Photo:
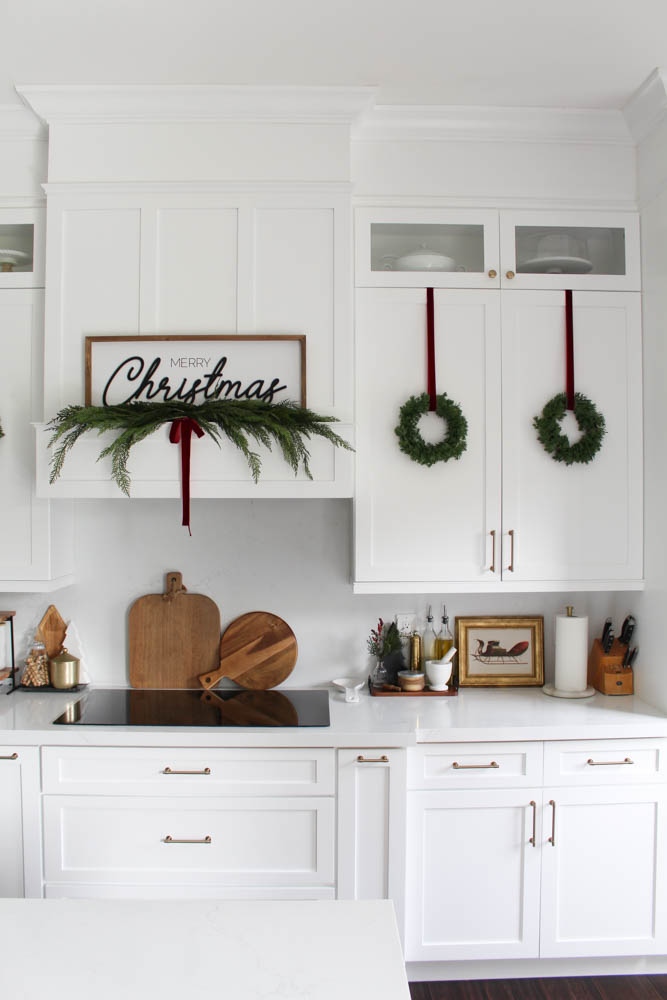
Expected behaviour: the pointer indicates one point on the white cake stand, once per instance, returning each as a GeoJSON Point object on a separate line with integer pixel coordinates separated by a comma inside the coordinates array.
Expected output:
{"type": "Point", "coordinates": [553, 692]}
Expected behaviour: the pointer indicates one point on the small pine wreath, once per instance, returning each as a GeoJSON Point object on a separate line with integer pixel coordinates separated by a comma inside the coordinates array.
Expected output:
{"type": "Point", "coordinates": [413, 444]}
{"type": "Point", "coordinates": [590, 421]}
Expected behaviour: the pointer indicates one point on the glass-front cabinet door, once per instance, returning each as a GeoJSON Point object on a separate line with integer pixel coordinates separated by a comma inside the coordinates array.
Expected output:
{"type": "Point", "coordinates": [579, 250]}
{"type": "Point", "coordinates": [419, 247]}
{"type": "Point", "coordinates": [21, 248]}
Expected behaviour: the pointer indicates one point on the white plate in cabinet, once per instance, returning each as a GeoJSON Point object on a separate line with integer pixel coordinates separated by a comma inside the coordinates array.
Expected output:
{"type": "Point", "coordinates": [473, 882]}
{"type": "Point", "coordinates": [169, 771]}
{"type": "Point", "coordinates": [604, 890]}
{"type": "Point", "coordinates": [233, 841]}
{"type": "Point", "coordinates": [475, 765]}
{"type": "Point", "coordinates": [605, 762]}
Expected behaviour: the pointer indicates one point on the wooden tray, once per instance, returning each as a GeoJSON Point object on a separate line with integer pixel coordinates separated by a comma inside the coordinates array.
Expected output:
{"type": "Point", "coordinates": [426, 693]}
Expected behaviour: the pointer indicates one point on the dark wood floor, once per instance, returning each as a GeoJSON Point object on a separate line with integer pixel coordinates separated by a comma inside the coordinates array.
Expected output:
{"type": "Point", "coordinates": [579, 988]}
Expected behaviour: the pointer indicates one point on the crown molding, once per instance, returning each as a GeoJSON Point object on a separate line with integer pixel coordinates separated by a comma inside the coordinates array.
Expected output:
{"type": "Point", "coordinates": [439, 123]}
{"type": "Point", "coordinates": [648, 106]}
{"type": "Point", "coordinates": [18, 123]}
{"type": "Point", "coordinates": [234, 187]}
{"type": "Point", "coordinates": [214, 103]}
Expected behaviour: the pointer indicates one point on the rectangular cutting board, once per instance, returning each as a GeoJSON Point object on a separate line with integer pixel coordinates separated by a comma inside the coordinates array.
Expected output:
{"type": "Point", "coordinates": [173, 637]}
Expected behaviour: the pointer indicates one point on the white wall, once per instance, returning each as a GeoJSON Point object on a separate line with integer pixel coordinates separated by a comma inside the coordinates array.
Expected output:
{"type": "Point", "coordinates": [289, 557]}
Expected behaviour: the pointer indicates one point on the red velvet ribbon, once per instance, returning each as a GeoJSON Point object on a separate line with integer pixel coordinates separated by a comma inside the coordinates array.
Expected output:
{"type": "Point", "coordinates": [181, 431]}
{"type": "Point", "coordinates": [430, 350]}
{"type": "Point", "coordinates": [569, 350]}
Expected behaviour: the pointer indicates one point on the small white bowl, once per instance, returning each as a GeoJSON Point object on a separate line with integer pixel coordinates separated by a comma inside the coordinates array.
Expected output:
{"type": "Point", "coordinates": [351, 686]}
{"type": "Point", "coordinates": [437, 674]}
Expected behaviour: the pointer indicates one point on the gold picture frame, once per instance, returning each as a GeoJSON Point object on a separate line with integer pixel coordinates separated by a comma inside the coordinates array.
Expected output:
{"type": "Point", "coordinates": [500, 651]}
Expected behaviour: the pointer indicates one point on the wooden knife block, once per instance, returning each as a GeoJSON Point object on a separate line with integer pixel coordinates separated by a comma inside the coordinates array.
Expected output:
{"type": "Point", "coordinates": [606, 672]}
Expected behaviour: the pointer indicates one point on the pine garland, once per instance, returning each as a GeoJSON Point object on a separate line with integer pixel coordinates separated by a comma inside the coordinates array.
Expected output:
{"type": "Point", "coordinates": [2, 433]}
{"type": "Point", "coordinates": [413, 444]}
{"type": "Point", "coordinates": [589, 420]}
{"type": "Point", "coordinates": [286, 424]}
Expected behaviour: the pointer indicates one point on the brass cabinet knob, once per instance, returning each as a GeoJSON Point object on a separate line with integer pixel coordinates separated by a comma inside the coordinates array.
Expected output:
{"type": "Point", "coordinates": [510, 274]}
{"type": "Point", "coordinates": [493, 273]}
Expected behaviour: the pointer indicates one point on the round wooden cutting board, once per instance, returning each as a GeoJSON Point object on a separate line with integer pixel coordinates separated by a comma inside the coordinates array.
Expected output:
{"type": "Point", "coordinates": [257, 651]}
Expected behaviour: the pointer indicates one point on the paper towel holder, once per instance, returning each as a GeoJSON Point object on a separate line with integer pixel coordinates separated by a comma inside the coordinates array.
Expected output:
{"type": "Point", "coordinates": [553, 692]}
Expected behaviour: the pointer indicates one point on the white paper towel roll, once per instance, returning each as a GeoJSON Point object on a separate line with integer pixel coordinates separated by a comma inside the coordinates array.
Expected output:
{"type": "Point", "coordinates": [571, 653]}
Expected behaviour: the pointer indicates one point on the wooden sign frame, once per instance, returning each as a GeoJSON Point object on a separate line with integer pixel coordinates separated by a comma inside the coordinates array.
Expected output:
{"type": "Point", "coordinates": [300, 340]}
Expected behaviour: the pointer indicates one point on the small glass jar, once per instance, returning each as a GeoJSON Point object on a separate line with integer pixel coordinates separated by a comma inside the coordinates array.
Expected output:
{"type": "Point", "coordinates": [36, 673]}
{"type": "Point", "coordinates": [379, 676]}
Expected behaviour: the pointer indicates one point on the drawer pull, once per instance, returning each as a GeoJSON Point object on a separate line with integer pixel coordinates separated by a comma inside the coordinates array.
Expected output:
{"type": "Point", "coordinates": [469, 767]}
{"type": "Point", "coordinates": [168, 770]}
{"type": "Point", "coordinates": [533, 840]}
{"type": "Point", "coordinates": [11, 756]}
{"type": "Point", "coordinates": [552, 838]}
{"type": "Point", "coordinates": [373, 760]}
{"type": "Point", "coordinates": [172, 840]}
{"type": "Point", "coordinates": [608, 763]}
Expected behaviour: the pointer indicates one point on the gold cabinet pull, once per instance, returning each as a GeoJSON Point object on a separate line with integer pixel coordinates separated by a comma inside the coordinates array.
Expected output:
{"type": "Point", "coordinates": [492, 568]}
{"type": "Point", "coordinates": [533, 840]}
{"type": "Point", "coordinates": [510, 568]}
{"type": "Point", "coordinates": [493, 273]}
{"type": "Point", "coordinates": [373, 760]}
{"type": "Point", "coordinates": [510, 274]}
{"type": "Point", "coordinates": [11, 756]}
{"type": "Point", "coordinates": [608, 763]}
{"type": "Point", "coordinates": [168, 770]}
{"type": "Point", "coordinates": [552, 838]}
{"type": "Point", "coordinates": [172, 840]}
{"type": "Point", "coordinates": [469, 767]}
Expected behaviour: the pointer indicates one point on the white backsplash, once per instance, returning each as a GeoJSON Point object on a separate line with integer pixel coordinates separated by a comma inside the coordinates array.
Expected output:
{"type": "Point", "coordinates": [290, 557]}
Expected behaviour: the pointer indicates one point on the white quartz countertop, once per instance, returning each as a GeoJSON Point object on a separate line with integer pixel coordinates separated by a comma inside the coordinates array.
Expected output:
{"type": "Point", "coordinates": [322, 950]}
{"type": "Point", "coordinates": [493, 714]}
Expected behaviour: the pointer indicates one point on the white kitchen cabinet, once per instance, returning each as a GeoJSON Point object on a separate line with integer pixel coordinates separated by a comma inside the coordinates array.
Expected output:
{"type": "Point", "coordinates": [579, 250]}
{"type": "Point", "coordinates": [473, 882]}
{"type": "Point", "coordinates": [604, 889]}
{"type": "Point", "coordinates": [193, 262]}
{"type": "Point", "coordinates": [417, 527]}
{"type": "Point", "coordinates": [36, 550]}
{"type": "Point", "coordinates": [421, 529]}
{"type": "Point", "coordinates": [20, 847]}
{"type": "Point", "coordinates": [577, 524]}
{"type": "Point", "coordinates": [371, 826]}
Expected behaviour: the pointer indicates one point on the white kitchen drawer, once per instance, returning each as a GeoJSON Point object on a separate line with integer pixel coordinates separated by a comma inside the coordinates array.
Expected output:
{"type": "Point", "coordinates": [604, 762]}
{"type": "Point", "coordinates": [475, 765]}
{"type": "Point", "coordinates": [261, 842]}
{"type": "Point", "coordinates": [93, 890]}
{"type": "Point", "coordinates": [150, 771]}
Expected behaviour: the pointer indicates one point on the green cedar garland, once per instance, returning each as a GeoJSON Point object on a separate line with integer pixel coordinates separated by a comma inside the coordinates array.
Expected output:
{"type": "Point", "coordinates": [589, 420]}
{"type": "Point", "coordinates": [413, 444]}
{"type": "Point", "coordinates": [286, 424]}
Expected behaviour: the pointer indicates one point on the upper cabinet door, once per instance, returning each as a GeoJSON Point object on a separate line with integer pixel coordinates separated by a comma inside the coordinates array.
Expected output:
{"type": "Point", "coordinates": [415, 247]}
{"type": "Point", "coordinates": [586, 250]}
{"type": "Point", "coordinates": [417, 526]}
{"type": "Point", "coordinates": [579, 523]}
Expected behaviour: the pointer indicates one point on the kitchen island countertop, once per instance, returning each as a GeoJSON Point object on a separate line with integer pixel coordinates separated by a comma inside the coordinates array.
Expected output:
{"type": "Point", "coordinates": [476, 714]}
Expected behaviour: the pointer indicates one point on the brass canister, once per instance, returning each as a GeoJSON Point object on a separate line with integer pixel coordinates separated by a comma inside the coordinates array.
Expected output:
{"type": "Point", "coordinates": [64, 670]}
{"type": "Point", "coordinates": [416, 654]}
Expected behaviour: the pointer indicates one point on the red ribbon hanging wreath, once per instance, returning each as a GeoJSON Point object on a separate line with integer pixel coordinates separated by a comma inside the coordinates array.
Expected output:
{"type": "Point", "coordinates": [181, 432]}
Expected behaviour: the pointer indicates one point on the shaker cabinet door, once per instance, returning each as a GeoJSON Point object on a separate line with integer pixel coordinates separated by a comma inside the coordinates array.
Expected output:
{"type": "Point", "coordinates": [580, 523]}
{"type": "Point", "coordinates": [473, 885]}
{"type": "Point", "coordinates": [421, 527]}
{"type": "Point", "coordinates": [604, 890]}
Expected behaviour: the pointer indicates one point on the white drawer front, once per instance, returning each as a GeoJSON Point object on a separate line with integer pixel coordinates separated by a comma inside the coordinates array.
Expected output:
{"type": "Point", "coordinates": [475, 765]}
{"type": "Point", "coordinates": [91, 890]}
{"type": "Point", "coordinates": [170, 771]}
{"type": "Point", "coordinates": [267, 841]}
{"type": "Point", "coordinates": [605, 762]}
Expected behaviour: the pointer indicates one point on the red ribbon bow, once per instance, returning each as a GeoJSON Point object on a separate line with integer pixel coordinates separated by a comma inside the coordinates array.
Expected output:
{"type": "Point", "coordinates": [181, 431]}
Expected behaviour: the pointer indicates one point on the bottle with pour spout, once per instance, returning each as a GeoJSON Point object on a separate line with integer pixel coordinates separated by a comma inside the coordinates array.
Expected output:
{"type": "Point", "coordinates": [444, 640]}
{"type": "Point", "coordinates": [429, 639]}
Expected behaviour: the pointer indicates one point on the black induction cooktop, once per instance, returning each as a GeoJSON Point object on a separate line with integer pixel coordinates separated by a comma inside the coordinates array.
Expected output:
{"type": "Point", "coordinates": [132, 707]}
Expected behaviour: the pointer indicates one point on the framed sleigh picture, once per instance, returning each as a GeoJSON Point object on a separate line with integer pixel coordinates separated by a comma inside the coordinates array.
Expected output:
{"type": "Point", "coordinates": [497, 651]}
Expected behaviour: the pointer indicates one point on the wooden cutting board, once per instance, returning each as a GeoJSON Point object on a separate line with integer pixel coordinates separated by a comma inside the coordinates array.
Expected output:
{"type": "Point", "coordinates": [257, 650]}
{"type": "Point", "coordinates": [52, 629]}
{"type": "Point", "coordinates": [173, 636]}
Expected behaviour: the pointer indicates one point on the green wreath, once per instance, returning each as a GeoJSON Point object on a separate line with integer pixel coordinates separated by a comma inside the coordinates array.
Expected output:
{"type": "Point", "coordinates": [589, 420]}
{"type": "Point", "coordinates": [412, 443]}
